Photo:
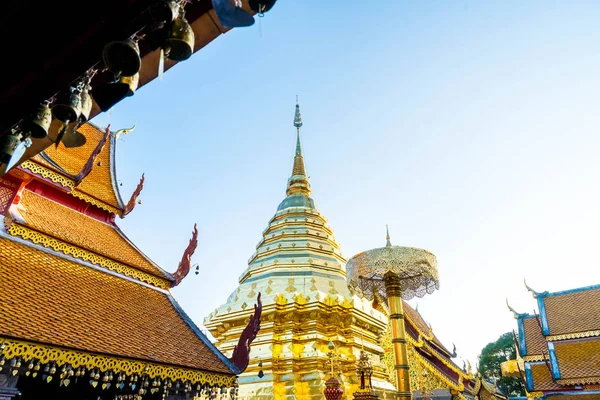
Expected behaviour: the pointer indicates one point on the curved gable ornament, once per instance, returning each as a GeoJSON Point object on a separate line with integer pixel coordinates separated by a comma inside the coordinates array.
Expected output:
{"type": "Point", "coordinates": [184, 265]}
{"type": "Point", "coordinates": [241, 353]}
{"type": "Point", "coordinates": [89, 165]}
{"type": "Point", "coordinates": [133, 200]}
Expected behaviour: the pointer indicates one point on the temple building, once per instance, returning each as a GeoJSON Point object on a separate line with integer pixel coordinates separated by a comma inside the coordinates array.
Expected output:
{"type": "Point", "coordinates": [558, 347]}
{"type": "Point", "coordinates": [83, 312]}
{"type": "Point", "coordinates": [300, 271]}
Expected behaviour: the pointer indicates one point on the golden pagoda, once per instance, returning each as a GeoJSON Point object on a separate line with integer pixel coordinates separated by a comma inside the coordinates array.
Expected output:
{"type": "Point", "coordinates": [83, 312]}
{"type": "Point", "coordinates": [300, 271]}
{"type": "Point", "coordinates": [308, 309]}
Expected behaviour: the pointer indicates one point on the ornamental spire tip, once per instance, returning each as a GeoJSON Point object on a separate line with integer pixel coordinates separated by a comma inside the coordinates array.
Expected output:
{"type": "Point", "coordinates": [298, 182]}
{"type": "Point", "coordinates": [297, 116]}
{"type": "Point", "coordinates": [388, 243]}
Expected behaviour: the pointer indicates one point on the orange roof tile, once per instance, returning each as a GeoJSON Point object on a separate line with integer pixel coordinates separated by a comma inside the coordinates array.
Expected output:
{"type": "Point", "coordinates": [535, 342]}
{"type": "Point", "coordinates": [542, 379]}
{"type": "Point", "coordinates": [577, 311]}
{"type": "Point", "coordinates": [578, 358]}
{"type": "Point", "coordinates": [99, 183]}
{"type": "Point", "coordinates": [71, 226]}
{"type": "Point", "coordinates": [51, 300]}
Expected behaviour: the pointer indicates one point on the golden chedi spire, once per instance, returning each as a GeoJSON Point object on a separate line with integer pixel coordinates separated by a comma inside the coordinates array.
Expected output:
{"type": "Point", "coordinates": [298, 182]}
{"type": "Point", "coordinates": [300, 269]}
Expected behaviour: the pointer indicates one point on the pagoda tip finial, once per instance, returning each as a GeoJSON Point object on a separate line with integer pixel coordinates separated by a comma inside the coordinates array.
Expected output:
{"type": "Point", "coordinates": [388, 243]}
{"type": "Point", "coordinates": [297, 116]}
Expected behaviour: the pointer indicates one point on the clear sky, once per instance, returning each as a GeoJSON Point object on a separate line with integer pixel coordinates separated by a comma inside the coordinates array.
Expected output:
{"type": "Point", "coordinates": [470, 127]}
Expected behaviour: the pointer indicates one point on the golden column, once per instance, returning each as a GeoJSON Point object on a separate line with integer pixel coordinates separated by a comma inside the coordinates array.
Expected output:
{"type": "Point", "coordinates": [394, 294]}
{"type": "Point", "coordinates": [394, 273]}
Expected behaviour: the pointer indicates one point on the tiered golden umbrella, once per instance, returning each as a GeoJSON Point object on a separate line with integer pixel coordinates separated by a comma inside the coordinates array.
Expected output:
{"type": "Point", "coordinates": [394, 273]}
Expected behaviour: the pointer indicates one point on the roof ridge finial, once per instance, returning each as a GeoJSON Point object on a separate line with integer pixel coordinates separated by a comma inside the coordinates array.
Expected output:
{"type": "Point", "coordinates": [533, 292]}
{"type": "Point", "coordinates": [387, 237]}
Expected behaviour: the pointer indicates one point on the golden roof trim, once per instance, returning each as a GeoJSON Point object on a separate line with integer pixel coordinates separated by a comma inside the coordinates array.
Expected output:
{"type": "Point", "coordinates": [48, 173]}
{"type": "Point", "coordinates": [574, 335]}
{"type": "Point", "coordinates": [590, 380]}
{"type": "Point", "coordinates": [456, 386]}
{"type": "Point", "coordinates": [535, 357]}
{"type": "Point", "coordinates": [447, 363]}
{"type": "Point", "coordinates": [534, 395]}
{"type": "Point", "coordinates": [55, 177]}
{"type": "Point", "coordinates": [76, 358]}
{"type": "Point", "coordinates": [94, 201]}
{"type": "Point", "coordinates": [15, 229]}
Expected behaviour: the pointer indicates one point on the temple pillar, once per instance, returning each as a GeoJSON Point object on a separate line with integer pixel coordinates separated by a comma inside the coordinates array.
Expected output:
{"type": "Point", "coordinates": [394, 295]}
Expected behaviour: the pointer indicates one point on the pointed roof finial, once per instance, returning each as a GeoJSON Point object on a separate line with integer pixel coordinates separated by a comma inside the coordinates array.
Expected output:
{"type": "Point", "coordinates": [515, 313]}
{"type": "Point", "coordinates": [387, 237]}
{"type": "Point", "coordinates": [297, 116]}
{"type": "Point", "coordinates": [533, 292]}
{"type": "Point", "coordinates": [298, 182]}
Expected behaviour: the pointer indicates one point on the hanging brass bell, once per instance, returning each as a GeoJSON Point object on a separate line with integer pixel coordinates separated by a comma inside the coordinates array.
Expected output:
{"type": "Point", "coordinates": [111, 93]}
{"type": "Point", "coordinates": [86, 104]}
{"type": "Point", "coordinates": [122, 57]}
{"type": "Point", "coordinates": [72, 138]}
{"type": "Point", "coordinates": [164, 10]}
{"type": "Point", "coordinates": [8, 144]}
{"type": "Point", "coordinates": [179, 46]}
{"type": "Point", "coordinates": [68, 107]}
{"type": "Point", "coordinates": [38, 123]}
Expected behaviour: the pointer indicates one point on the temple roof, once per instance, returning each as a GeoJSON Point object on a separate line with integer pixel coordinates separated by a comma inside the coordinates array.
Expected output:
{"type": "Point", "coordinates": [53, 300]}
{"type": "Point", "coordinates": [539, 377]}
{"type": "Point", "coordinates": [579, 359]}
{"type": "Point", "coordinates": [71, 226]}
{"type": "Point", "coordinates": [101, 182]}
{"type": "Point", "coordinates": [560, 347]}
{"type": "Point", "coordinates": [534, 340]}
{"type": "Point", "coordinates": [572, 310]}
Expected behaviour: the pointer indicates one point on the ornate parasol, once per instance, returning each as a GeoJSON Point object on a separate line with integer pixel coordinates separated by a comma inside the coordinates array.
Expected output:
{"type": "Point", "coordinates": [392, 273]}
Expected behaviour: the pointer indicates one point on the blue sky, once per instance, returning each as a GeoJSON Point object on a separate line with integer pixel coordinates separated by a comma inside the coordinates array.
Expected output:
{"type": "Point", "coordinates": [471, 128]}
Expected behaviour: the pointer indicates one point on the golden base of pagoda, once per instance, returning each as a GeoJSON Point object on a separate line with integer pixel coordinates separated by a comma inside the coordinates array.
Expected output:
{"type": "Point", "coordinates": [366, 395]}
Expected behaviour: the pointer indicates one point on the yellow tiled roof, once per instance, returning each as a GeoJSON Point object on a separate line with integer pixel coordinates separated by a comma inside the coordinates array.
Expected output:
{"type": "Point", "coordinates": [51, 300]}
{"type": "Point", "coordinates": [98, 183]}
{"type": "Point", "coordinates": [535, 342]}
{"type": "Point", "coordinates": [573, 312]}
{"type": "Point", "coordinates": [71, 226]}
{"type": "Point", "coordinates": [578, 358]}
{"type": "Point", "coordinates": [542, 379]}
